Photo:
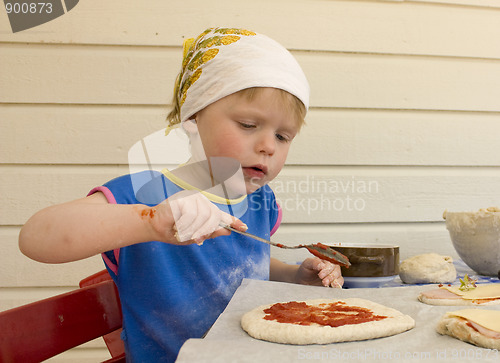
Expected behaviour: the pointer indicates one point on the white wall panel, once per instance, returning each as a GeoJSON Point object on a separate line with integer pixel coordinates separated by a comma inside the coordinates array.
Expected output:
{"type": "Point", "coordinates": [307, 194]}
{"type": "Point", "coordinates": [383, 194]}
{"type": "Point", "coordinates": [399, 27]}
{"type": "Point", "coordinates": [131, 75]}
{"type": "Point", "coordinates": [27, 189]}
{"type": "Point", "coordinates": [56, 134]}
{"type": "Point", "coordinates": [395, 137]}
{"type": "Point", "coordinates": [74, 134]}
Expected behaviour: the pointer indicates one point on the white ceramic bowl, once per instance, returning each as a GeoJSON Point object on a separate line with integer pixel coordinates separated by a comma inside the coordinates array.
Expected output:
{"type": "Point", "coordinates": [476, 238]}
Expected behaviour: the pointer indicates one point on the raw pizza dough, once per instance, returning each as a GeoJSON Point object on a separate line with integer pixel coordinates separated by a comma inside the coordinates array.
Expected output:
{"type": "Point", "coordinates": [255, 325]}
{"type": "Point", "coordinates": [459, 328]}
{"type": "Point", "coordinates": [427, 268]}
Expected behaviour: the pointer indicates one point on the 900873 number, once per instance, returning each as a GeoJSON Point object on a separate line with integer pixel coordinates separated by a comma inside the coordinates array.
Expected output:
{"type": "Point", "coordinates": [28, 8]}
{"type": "Point", "coordinates": [474, 354]}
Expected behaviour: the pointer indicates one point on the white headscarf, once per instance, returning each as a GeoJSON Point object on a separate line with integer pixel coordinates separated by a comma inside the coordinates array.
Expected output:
{"type": "Point", "coordinates": [222, 61]}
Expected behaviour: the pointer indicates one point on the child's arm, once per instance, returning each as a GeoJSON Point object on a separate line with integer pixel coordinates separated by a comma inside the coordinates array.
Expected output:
{"type": "Point", "coordinates": [313, 271]}
{"type": "Point", "coordinates": [89, 226]}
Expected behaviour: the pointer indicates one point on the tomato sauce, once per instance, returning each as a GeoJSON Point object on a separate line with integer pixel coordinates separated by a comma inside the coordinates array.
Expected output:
{"type": "Point", "coordinates": [148, 212]}
{"type": "Point", "coordinates": [324, 257]}
{"type": "Point", "coordinates": [329, 314]}
{"type": "Point", "coordinates": [320, 255]}
{"type": "Point", "coordinates": [483, 301]}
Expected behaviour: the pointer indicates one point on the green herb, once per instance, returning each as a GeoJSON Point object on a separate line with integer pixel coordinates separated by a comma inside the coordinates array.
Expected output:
{"type": "Point", "coordinates": [467, 283]}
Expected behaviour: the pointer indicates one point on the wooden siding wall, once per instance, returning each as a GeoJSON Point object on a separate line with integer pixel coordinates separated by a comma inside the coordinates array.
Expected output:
{"type": "Point", "coordinates": [404, 120]}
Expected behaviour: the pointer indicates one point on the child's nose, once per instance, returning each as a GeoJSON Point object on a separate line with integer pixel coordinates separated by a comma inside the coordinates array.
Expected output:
{"type": "Point", "coordinates": [266, 143]}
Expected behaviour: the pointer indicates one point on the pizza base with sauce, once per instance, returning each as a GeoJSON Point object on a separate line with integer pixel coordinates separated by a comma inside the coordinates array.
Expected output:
{"type": "Point", "coordinates": [324, 321]}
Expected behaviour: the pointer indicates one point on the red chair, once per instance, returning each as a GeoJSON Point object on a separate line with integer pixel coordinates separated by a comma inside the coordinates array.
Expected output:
{"type": "Point", "coordinates": [45, 328]}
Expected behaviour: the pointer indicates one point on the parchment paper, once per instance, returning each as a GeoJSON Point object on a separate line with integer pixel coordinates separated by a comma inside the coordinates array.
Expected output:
{"type": "Point", "coordinates": [228, 342]}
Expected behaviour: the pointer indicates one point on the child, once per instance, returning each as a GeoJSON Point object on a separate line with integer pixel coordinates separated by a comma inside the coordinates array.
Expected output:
{"type": "Point", "coordinates": [242, 97]}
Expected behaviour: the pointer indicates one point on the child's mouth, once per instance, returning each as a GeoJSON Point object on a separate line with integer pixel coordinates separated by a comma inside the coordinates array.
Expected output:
{"type": "Point", "coordinates": [256, 171]}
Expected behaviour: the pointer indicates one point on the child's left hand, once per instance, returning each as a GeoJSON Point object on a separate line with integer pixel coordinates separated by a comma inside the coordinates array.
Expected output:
{"type": "Point", "coordinates": [315, 271]}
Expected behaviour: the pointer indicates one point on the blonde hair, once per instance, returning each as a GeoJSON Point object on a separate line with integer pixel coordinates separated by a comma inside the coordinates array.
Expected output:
{"type": "Point", "coordinates": [289, 102]}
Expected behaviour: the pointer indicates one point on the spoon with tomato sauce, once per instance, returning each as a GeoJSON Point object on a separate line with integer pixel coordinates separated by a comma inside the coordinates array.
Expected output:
{"type": "Point", "coordinates": [318, 249]}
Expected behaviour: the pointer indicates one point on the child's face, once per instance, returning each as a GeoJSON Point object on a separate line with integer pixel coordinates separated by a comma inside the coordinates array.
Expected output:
{"type": "Point", "coordinates": [256, 132]}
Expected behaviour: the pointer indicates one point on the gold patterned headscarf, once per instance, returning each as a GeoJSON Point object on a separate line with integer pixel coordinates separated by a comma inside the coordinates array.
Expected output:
{"type": "Point", "coordinates": [222, 61]}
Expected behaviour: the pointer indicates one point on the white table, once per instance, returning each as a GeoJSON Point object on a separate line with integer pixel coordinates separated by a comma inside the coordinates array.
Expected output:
{"type": "Point", "coordinates": [228, 342]}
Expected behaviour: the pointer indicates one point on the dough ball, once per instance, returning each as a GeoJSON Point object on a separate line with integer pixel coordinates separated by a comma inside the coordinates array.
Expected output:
{"type": "Point", "coordinates": [427, 268]}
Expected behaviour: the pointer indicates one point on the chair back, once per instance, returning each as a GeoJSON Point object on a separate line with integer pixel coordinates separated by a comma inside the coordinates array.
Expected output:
{"type": "Point", "coordinates": [45, 328]}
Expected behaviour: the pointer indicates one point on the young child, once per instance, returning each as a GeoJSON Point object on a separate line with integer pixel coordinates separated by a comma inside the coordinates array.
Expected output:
{"type": "Point", "coordinates": [241, 97]}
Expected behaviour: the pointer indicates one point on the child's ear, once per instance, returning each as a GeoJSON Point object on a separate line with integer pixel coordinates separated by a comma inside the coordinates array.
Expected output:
{"type": "Point", "coordinates": [190, 126]}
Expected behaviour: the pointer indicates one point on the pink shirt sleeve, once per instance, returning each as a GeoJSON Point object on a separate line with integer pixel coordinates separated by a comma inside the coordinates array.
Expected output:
{"type": "Point", "coordinates": [278, 220]}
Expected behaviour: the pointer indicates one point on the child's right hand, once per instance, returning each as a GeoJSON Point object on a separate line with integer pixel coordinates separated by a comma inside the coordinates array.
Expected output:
{"type": "Point", "coordinates": [88, 226]}
{"type": "Point", "coordinates": [191, 218]}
